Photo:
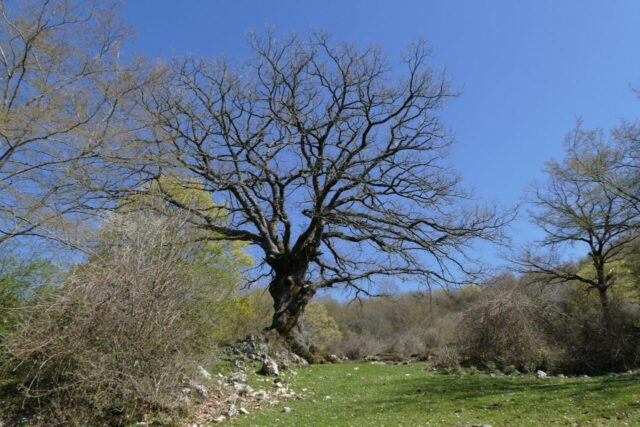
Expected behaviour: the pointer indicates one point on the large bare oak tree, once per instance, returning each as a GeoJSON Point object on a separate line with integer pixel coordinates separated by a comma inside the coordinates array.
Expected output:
{"type": "Point", "coordinates": [327, 160]}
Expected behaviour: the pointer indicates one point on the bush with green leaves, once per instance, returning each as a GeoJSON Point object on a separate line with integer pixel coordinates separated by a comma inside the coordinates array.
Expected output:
{"type": "Point", "coordinates": [123, 333]}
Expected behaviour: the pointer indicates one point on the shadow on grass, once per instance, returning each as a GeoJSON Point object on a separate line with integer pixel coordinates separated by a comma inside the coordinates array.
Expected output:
{"type": "Point", "coordinates": [481, 393]}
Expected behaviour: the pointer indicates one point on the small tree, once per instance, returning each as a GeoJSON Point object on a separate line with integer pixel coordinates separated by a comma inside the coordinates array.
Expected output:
{"type": "Point", "coordinates": [327, 164]}
{"type": "Point", "coordinates": [577, 207]}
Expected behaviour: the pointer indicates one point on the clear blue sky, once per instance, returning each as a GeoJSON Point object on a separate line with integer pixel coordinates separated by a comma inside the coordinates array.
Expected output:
{"type": "Point", "coordinates": [528, 69]}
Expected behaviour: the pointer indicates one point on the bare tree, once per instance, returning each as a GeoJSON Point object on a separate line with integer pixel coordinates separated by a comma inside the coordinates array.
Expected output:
{"type": "Point", "coordinates": [61, 85]}
{"type": "Point", "coordinates": [326, 162]}
{"type": "Point", "coordinates": [578, 206]}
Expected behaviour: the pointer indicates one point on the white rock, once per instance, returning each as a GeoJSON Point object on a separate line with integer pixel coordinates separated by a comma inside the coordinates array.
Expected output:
{"type": "Point", "coordinates": [201, 389]}
{"type": "Point", "coordinates": [261, 394]}
{"type": "Point", "coordinates": [286, 409]}
{"type": "Point", "coordinates": [541, 374]}
{"type": "Point", "coordinates": [220, 419]}
{"type": "Point", "coordinates": [243, 411]}
{"type": "Point", "coordinates": [243, 388]}
{"type": "Point", "coordinates": [269, 367]}
{"type": "Point", "coordinates": [233, 411]}
{"type": "Point", "coordinates": [203, 372]}
{"type": "Point", "coordinates": [236, 377]}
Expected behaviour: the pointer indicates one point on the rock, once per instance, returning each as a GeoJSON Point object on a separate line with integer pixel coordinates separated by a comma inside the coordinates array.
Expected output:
{"type": "Point", "coordinates": [203, 372]}
{"type": "Point", "coordinates": [243, 388]}
{"type": "Point", "coordinates": [541, 374]}
{"type": "Point", "coordinates": [333, 358]}
{"type": "Point", "coordinates": [236, 377]}
{"type": "Point", "coordinates": [298, 360]}
{"type": "Point", "coordinates": [269, 367]}
{"type": "Point", "coordinates": [239, 363]}
{"type": "Point", "coordinates": [261, 394]}
{"type": "Point", "coordinates": [286, 409]}
{"type": "Point", "coordinates": [184, 397]}
{"type": "Point", "coordinates": [233, 411]}
{"type": "Point", "coordinates": [586, 376]}
{"type": "Point", "coordinates": [561, 376]}
{"type": "Point", "coordinates": [612, 374]}
{"type": "Point", "coordinates": [201, 389]}
{"type": "Point", "coordinates": [243, 411]}
{"type": "Point", "coordinates": [220, 419]}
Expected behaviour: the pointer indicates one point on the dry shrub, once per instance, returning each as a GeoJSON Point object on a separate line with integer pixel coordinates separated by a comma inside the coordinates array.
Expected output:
{"type": "Point", "coordinates": [117, 337]}
{"type": "Point", "coordinates": [358, 346]}
{"type": "Point", "coordinates": [592, 345]}
{"type": "Point", "coordinates": [447, 357]}
{"type": "Point", "coordinates": [502, 329]}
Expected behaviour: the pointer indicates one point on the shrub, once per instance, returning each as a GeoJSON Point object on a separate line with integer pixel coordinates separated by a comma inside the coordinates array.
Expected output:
{"type": "Point", "coordinates": [447, 357]}
{"type": "Point", "coordinates": [120, 335]}
{"type": "Point", "coordinates": [502, 329]}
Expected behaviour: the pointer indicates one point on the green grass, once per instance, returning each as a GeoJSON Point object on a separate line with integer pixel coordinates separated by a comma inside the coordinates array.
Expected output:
{"type": "Point", "coordinates": [365, 394]}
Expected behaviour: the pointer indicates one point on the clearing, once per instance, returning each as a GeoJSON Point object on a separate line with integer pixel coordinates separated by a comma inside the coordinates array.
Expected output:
{"type": "Point", "coordinates": [370, 394]}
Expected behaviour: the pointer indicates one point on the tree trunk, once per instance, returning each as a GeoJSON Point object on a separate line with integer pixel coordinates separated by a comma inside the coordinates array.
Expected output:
{"type": "Point", "coordinates": [604, 305]}
{"type": "Point", "coordinates": [290, 297]}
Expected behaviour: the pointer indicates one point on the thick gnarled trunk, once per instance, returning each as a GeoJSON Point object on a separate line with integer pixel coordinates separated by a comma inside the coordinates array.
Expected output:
{"type": "Point", "coordinates": [290, 297]}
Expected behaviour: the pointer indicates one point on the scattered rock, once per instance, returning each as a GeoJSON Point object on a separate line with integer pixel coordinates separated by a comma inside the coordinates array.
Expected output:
{"type": "Point", "coordinates": [203, 372]}
{"type": "Point", "coordinates": [298, 360]}
{"type": "Point", "coordinates": [220, 419]}
{"type": "Point", "coordinates": [185, 396]}
{"type": "Point", "coordinates": [586, 376]}
{"type": "Point", "coordinates": [243, 388]}
{"type": "Point", "coordinates": [239, 363]}
{"type": "Point", "coordinates": [261, 394]}
{"type": "Point", "coordinates": [232, 398]}
{"type": "Point", "coordinates": [201, 389]}
{"type": "Point", "coordinates": [269, 367]}
{"type": "Point", "coordinates": [561, 376]}
{"type": "Point", "coordinates": [612, 374]}
{"type": "Point", "coordinates": [236, 377]}
{"type": "Point", "coordinates": [286, 409]}
{"type": "Point", "coordinates": [233, 411]}
{"type": "Point", "coordinates": [541, 374]}
{"type": "Point", "coordinates": [243, 411]}
{"type": "Point", "coordinates": [333, 358]}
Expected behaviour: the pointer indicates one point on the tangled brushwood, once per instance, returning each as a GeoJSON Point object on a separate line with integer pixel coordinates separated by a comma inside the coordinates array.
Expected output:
{"type": "Point", "coordinates": [118, 336]}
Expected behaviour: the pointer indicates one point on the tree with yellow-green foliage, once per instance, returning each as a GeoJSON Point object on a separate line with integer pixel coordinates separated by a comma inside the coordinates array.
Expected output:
{"type": "Point", "coordinates": [322, 328]}
{"type": "Point", "coordinates": [215, 266]}
{"type": "Point", "coordinates": [576, 208]}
